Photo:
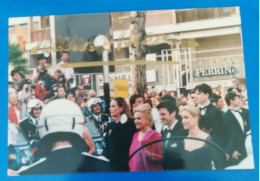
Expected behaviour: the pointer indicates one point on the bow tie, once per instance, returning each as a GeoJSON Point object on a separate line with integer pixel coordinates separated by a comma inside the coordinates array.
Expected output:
{"type": "Point", "coordinates": [166, 131]}
{"type": "Point", "coordinates": [236, 110]}
{"type": "Point", "coordinates": [202, 108]}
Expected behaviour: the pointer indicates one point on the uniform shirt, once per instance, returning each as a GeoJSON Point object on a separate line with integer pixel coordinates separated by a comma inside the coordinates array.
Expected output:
{"type": "Point", "coordinates": [29, 128]}
{"type": "Point", "coordinates": [97, 117]}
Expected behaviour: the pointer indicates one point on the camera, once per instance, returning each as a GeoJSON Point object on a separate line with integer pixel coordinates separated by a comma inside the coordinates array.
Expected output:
{"type": "Point", "coordinates": [33, 86]}
{"type": "Point", "coordinates": [43, 70]}
{"type": "Point", "coordinates": [28, 81]}
{"type": "Point", "coordinates": [62, 79]}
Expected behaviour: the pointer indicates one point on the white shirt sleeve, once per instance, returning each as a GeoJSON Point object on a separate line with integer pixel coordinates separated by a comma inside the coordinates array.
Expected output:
{"type": "Point", "coordinates": [34, 73]}
{"type": "Point", "coordinates": [19, 95]}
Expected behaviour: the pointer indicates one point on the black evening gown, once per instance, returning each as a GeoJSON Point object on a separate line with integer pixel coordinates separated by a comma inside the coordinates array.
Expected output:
{"type": "Point", "coordinates": [118, 140]}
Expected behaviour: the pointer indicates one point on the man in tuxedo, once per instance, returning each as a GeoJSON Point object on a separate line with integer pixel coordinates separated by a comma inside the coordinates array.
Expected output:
{"type": "Point", "coordinates": [236, 128]}
{"type": "Point", "coordinates": [211, 120]}
{"type": "Point", "coordinates": [172, 148]}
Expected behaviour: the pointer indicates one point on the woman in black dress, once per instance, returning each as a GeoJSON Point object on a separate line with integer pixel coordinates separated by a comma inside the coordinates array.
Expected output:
{"type": "Point", "coordinates": [197, 154]}
{"type": "Point", "coordinates": [119, 134]}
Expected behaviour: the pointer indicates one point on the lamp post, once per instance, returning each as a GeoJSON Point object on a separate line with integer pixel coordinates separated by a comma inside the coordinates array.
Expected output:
{"type": "Point", "coordinates": [102, 47]}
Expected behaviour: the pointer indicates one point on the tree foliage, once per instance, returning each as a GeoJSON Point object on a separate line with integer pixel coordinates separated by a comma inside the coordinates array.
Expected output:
{"type": "Point", "coordinates": [16, 59]}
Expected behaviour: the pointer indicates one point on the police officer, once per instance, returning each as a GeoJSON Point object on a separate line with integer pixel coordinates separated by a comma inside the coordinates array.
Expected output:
{"type": "Point", "coordinates": [28, 126]}
{"type": "Point", "coordinates": [61, 130]}
{"type": "Point", "coordinates": [96, 121]}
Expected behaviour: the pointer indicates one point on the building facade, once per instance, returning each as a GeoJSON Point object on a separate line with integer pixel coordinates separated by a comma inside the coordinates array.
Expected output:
{"type": "Point", "coordinates": [207, 41]}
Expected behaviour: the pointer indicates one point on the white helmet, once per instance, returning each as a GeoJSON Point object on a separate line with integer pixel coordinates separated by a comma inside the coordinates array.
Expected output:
{"type": "Point", "coordinates": [61, 116]}
{"type": "Point", "coordinates": [34, 103]}
{"type": "Point", "coordinates": [94, 101]}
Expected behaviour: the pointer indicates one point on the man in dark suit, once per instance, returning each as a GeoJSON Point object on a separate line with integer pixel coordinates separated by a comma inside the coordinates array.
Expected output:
{"type": "Point", "coordinates": [211, 120]}
{"type": "Point", "coordinates": [61, 131]}
{"type": "Point", "coordinates": [236, 128]}
{"type": "Point", "coordinates": [172, 148]}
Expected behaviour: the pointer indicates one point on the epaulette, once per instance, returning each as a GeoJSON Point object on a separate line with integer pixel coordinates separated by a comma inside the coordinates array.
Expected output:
{"type": "Point", "coordinates": [24, 119]}
{"type": "Point", "coordinates": [88, 116]}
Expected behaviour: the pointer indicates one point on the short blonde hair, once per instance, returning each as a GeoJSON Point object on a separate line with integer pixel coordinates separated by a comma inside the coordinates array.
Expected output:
{"type": "Point", "coordinates": [13, 94]}
{"type": "Point", "coordinates": [194, 112]}
{"type": "Point", "coordinates": [145, 109]}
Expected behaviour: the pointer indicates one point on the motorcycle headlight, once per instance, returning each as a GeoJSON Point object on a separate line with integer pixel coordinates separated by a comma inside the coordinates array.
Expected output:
{"type": "Point", "coordinates": [12, 156]}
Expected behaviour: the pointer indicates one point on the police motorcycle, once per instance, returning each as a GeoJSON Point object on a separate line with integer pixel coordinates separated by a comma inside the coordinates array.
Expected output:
{"type": "Point", "coordinates": [19, 151]}
{"type": "Point", "coordinates": [24, 138]}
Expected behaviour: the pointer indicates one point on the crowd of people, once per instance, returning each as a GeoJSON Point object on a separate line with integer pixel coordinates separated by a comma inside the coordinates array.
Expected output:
{"type": "Point", "coordinates": [205, 129]}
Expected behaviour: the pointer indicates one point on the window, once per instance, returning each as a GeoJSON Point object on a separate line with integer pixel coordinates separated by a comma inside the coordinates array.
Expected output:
{"type": "Point", "coordinates": [23, 25]}
{"type": "Point", "coordinates": [45, 21]}
{"type": "Point", "coordinates": [36, 23]}
{"type": "Point", "coordinates": [203, 14]}
{"type": "Point", "coordinates": [11, 27]}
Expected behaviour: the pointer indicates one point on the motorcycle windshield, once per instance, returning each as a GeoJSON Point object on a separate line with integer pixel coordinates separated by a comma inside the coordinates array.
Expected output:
{"type": "Point", "coordinates": [15, 137]}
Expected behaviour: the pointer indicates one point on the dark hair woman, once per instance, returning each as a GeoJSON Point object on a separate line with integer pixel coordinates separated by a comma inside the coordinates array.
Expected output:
{"type": "Point", "coordinates": [119, 134]}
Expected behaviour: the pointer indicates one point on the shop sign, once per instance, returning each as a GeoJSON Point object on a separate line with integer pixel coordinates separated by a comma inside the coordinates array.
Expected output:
{"type": "Point", "coordinates": [121, 88]}
{"type": "Point", "coordinates": [215, 71]}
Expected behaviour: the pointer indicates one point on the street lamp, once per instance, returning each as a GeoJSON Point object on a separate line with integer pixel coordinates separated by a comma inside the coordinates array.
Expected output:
{"type": "Point", "coordinates": [102, 47]}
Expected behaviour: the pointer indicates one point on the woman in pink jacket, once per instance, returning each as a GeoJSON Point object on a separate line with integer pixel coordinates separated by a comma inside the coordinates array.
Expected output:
{"type": "Point", "coordinates": [150, 157]}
